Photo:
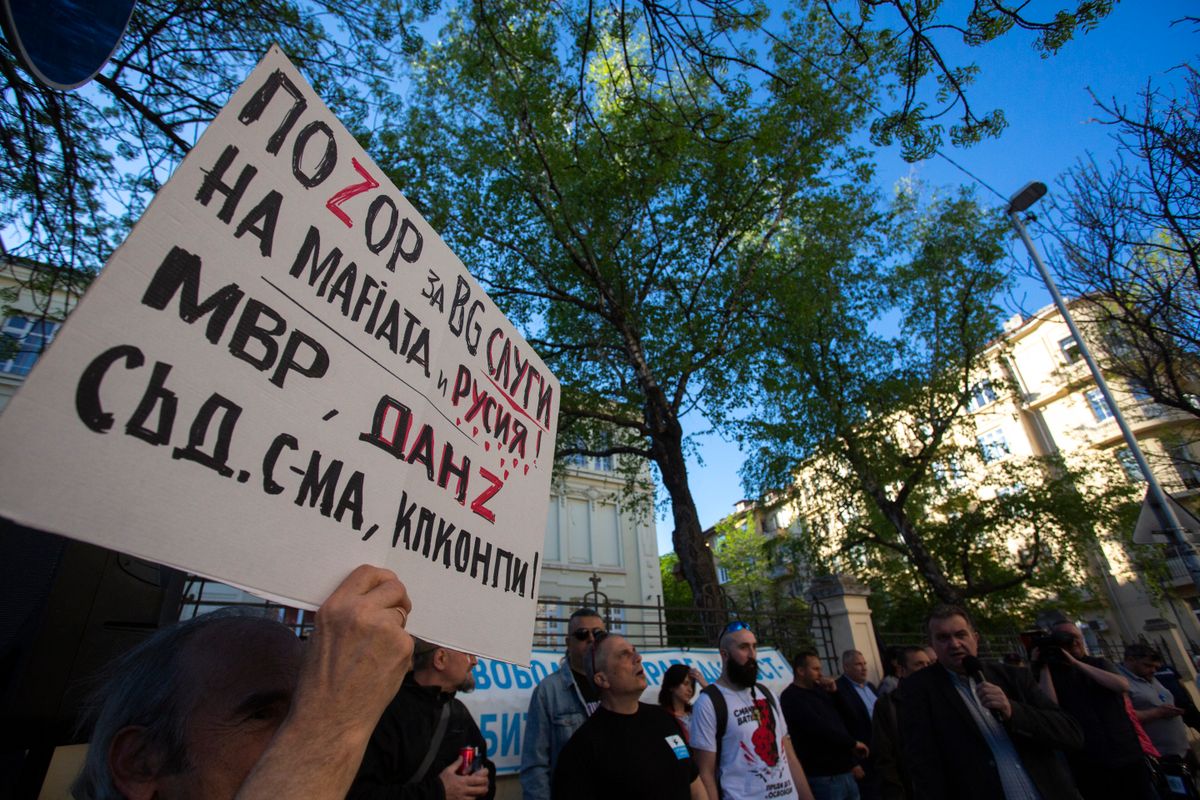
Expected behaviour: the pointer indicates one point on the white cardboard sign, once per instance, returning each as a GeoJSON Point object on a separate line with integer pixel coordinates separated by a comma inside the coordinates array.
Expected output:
{"type": "Point", "coordinates": [284, 372]}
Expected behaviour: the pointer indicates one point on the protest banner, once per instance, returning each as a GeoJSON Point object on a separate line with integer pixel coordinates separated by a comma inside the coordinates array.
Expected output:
{"type": "Point", "coordinates": [284, 372]}
{"type": "Point", "coordinates": [502, 691]}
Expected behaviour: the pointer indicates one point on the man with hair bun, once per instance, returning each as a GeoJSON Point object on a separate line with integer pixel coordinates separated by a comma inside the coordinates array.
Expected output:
{"type": "Point", "coordinates": [739, 737]}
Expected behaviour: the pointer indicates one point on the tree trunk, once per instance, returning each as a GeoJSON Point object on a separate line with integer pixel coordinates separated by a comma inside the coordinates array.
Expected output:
{"type": "Point", "coordinates": [695, 559]}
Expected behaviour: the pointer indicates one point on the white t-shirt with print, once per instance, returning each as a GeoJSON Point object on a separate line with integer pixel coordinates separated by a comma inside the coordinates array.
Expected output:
{"type": "Point", "coordinates": [753, 764]}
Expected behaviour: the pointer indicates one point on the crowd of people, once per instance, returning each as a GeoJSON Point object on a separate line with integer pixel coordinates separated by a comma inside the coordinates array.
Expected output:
{"type": "Point", "coordinates": [227, 705]}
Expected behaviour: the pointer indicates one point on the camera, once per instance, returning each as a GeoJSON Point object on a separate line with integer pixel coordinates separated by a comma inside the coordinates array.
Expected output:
{"type": "Point", "coordinates": [1050, 646]}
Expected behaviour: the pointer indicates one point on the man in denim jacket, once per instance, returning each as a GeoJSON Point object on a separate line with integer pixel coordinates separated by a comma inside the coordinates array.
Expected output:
{"type": "Point", "coordinates": [560, 704]}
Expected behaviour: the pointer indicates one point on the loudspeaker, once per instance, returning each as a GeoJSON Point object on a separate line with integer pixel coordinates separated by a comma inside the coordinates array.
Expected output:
{"type": "Point", "coordinates": [67, 609]}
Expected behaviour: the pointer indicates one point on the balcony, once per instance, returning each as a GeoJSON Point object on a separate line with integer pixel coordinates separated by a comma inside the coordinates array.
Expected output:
{"type": "Point", "coordinates": [1177, 569]}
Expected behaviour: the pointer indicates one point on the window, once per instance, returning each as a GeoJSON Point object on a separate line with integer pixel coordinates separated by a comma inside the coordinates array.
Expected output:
{"type": "Point", "coordinates": [722, 574]}
{"type": "Point", "coordinates": [993, 446]}
{"type": "Point", "coordinates": [1099, 406]}
{"type": "Point", "coordinates": [949, 472]}
{"type": "Point", "coordinates": [1139, 392]}
{"type": "Point", "coordinates": [1185, 465]}
{"type": "Point", "coordinates": [1070, 349]}
{"type": "Point", "coordinates": [550, 620]}
{"type": "Point", "coordinates": [616, 618]}
{"type": "Point", "coordinates": [29, 338]}
{"type": "Point", "coordinates": [599, 463]}
{"type": "Point", "coordinates": [1129, 464]}
{"type": "Point", "coordinates": [1141, 396]}
{"type": "Point", "coordinates": [982, 393]}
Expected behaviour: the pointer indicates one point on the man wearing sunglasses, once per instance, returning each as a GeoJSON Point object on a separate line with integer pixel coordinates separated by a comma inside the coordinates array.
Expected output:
{"type": "Point", "coordinates": [627, 749]}
{"type": "Point", "coordinates": [560, 704]}
{"type": "Point", "coordinates": [739, 736]}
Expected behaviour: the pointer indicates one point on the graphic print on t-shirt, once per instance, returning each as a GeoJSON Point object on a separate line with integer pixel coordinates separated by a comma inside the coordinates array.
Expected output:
{"type": "Point", "coordinates": [766, 746]}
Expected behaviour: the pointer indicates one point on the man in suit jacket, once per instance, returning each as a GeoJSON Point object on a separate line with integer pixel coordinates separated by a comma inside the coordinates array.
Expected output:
{"type": "Point", "coordinates": [857, 699]}
{"type": "Point", "coordinates": [990, 739]}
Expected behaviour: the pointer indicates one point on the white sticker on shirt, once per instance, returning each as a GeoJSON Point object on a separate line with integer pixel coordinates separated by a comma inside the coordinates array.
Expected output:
{"type": "Point", "coordinates": [676, 743]}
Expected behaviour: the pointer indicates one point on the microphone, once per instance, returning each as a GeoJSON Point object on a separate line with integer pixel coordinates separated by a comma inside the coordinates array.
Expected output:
{"type": "Point", "coordinates": [974, 668]}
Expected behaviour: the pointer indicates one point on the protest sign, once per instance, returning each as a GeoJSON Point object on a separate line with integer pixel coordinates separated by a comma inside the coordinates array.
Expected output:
{"type": "Point", "coordinates": [502, 691]}
{"type": "Point", "coordinates": [285, 372]}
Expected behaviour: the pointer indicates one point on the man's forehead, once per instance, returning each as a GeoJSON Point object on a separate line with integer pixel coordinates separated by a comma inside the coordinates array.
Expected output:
{"type": "Point", "coordinates": [616, 644]}
{"type": "Point", "coordinates": [232, 660]}
{"type": "Point", "coordinates": [742, 638]}
{"type": "Point", "coordinates": [585, 622]}
{"type": "Point", "coordinates": [952, 624]}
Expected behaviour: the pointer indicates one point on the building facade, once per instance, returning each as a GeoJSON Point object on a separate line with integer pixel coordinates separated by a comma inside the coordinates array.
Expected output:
{"type": "Point", "coordinates": [34, 301]}
{"type": "Point", "coordinates": [1036, 397]}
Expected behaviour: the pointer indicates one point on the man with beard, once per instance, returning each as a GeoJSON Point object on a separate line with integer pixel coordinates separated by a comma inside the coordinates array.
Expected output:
{"type": "Point", "coordinates": [739, 737]}
{"type": "Point", "coordinates": [626, 748]}
{"type": "Point", "coordinates": [414, 751]}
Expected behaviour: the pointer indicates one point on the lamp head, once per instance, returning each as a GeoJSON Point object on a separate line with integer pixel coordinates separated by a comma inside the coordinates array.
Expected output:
{"type": "Point", "coordinates": [1030, 193]}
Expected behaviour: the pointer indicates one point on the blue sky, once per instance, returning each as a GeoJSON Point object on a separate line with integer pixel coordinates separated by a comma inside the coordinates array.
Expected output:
{"type": "Point", "coordinates": [1051, 125]}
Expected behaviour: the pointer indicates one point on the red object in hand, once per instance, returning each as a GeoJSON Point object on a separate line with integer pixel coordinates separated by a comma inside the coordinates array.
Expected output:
{"type": "Point", "coordinates": [468, 761]}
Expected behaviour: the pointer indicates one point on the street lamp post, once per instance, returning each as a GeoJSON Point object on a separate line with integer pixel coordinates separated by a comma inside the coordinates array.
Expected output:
{"type": "Point", "coordinates": [1027, 196]}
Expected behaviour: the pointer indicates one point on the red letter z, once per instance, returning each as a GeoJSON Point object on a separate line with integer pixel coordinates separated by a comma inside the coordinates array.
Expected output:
{"type": "Point", "coordinates": [487, 494]}
{"type": "Point", "coordinates": [351, 190]}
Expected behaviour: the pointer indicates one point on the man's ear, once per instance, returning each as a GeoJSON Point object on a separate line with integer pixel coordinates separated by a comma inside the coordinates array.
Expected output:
{"type": "Point", "coordinates": [440, 657]}
{"type": "Point", "coordinates": [601, 680]}
{"type": "Point", "coordinates": [133, 765]}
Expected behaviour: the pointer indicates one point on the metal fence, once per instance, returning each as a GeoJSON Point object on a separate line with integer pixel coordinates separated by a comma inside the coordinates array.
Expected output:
{"type": "Point", "coordinates": [998, 644]}
{"type": "Point", "coordinates": [652, 625]}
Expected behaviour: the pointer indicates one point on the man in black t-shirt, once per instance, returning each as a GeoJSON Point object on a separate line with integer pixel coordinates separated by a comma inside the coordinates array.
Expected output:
{"type": "Point", "coordinates": [626, 749]}
{"type": "Point", "coordinates": [823, 742]}
{"type": "Point", "coordinates": [1091, 690]}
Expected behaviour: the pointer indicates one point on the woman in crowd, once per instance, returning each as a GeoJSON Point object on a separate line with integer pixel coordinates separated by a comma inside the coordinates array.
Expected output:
{"type": "Point", "coordinates": [679, 688]}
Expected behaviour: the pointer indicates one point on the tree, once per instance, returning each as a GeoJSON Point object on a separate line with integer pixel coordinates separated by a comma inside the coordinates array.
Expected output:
{"type": "Point", "coordinates": [875, 352]}
{"type": "Point", "coordinates": [1128, 236]}
{"type": "Point", "coordinates": [77, 168]}
{"type": "Point", "coordinates": [904, 39]}
{"type": "Point", "coordinates": [624, 214]}
{"type": "Point", "coordinates": [760, 567]}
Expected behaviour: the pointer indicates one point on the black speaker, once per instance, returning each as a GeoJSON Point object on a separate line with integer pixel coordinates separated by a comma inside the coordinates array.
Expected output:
{"type": "Point", "coordinates": [66, 609]}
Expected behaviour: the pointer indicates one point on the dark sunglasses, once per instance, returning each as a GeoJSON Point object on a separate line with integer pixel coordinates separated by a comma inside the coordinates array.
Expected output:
{"type": "Point", "coordinates": [736, 625]}
{"type": "Point", "coordinates": [583, 634]}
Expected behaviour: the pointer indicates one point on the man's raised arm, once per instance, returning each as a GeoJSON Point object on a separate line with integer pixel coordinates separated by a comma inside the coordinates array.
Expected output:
{"type": "Point", "coordinates": [353, 665]}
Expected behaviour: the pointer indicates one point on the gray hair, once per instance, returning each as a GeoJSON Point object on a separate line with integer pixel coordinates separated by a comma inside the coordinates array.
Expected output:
{"type": "Point", "coordinates": [849, 654]}
{"type": "Point", "coordinates": [144, 688]}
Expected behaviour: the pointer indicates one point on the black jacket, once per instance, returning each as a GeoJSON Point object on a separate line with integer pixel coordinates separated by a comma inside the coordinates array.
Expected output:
{"type": "Point", "coordinates": [858, 719]}
{"type": "Point", "coordinates": [402, 738]}
{"type": "Point", "coordinates": [947, 757]}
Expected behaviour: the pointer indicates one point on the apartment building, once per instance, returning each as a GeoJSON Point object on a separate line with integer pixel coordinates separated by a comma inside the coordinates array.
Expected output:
{"type": "Point", "coordinates": [1036, 397]}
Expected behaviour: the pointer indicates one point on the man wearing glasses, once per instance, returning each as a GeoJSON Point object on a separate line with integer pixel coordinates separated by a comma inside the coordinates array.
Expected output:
{"type": "Point", "coordinates": [560, 704]}
{"type": "Point", "coordinates": [744, 751]}
{"type": "Point", "coordinates": [627, 749]}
